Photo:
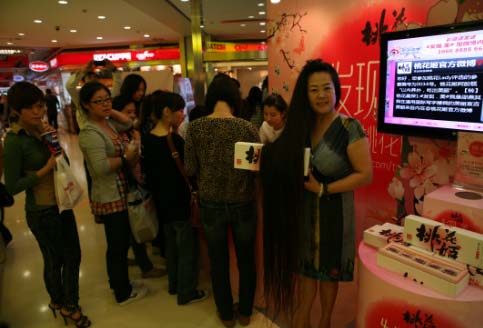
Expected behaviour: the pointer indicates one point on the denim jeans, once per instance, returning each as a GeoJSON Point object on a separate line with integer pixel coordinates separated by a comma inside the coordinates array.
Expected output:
{"type": "Point", "coordinates": [216, 218]}
{"type": "Point", "coordinates": [57, 237]}
{"type": "Point", "coordinates": [118, 234]}
{"type": "Point", "coordinates": [182, 253]}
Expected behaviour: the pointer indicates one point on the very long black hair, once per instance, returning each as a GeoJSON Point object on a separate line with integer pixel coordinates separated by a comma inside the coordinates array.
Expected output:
{"type": "Point", "coordinates": [287, 228]}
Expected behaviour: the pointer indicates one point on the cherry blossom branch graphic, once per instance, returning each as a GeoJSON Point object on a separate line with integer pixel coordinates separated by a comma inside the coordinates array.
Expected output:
{"type": "Point", "coordinates": [286, 57]}
{"type": "Point", "coordinates": [286, 20]}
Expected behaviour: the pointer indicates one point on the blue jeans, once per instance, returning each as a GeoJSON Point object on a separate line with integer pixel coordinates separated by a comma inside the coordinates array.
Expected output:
{"type": "Point", "coordinates": [216, 219]}
{"type": "Point", "coordinates": [57, 237]}
{"type": "Point", "coordinates": [118, 234]}
{"type": "Point", "coordinates": [182, 248]}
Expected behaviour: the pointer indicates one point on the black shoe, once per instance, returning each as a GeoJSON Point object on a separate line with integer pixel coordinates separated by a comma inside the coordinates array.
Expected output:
{"type": "Point", "coordinates": [199, 295]}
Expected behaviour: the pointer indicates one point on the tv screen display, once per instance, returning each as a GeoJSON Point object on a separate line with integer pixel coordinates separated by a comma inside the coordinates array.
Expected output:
{"type": "Point", "coordinates": [431, 81]}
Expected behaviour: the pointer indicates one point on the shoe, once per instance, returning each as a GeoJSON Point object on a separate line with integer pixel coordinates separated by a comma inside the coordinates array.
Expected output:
{"type": "Point", "coordinates": [242, 319]}
{"type": "Point", "coordinates": [74, 314]}
{"type": "Point", "coordinates": [227, 323]}
{"type": "Point", "coordinates": [54, 307]}
{"type": "Point", "coordinates": [154, 273]}
{"type": "Point", "coordinates": [136, 294]}
{"type": "Point", "coordinates": [200, 295]}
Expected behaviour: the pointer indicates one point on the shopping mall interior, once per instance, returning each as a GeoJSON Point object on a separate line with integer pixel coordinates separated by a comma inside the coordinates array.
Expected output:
{"type": "Point", "coordinates": [180, 46]}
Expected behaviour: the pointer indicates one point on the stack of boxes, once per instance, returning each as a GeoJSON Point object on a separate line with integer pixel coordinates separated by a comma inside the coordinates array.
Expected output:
{"type": "Point", "coordinates": [443, 258]}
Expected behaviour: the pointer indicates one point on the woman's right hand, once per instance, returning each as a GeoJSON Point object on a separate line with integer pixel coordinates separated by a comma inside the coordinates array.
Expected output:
{"type": "Point", "coordinates": [132, 155]}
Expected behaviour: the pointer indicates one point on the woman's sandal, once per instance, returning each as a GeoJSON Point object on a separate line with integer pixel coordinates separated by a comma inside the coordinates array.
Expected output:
{"type": "Point", "coordinates": [74, 314]}
{"type": "Point", "coordinates": [54, 307]}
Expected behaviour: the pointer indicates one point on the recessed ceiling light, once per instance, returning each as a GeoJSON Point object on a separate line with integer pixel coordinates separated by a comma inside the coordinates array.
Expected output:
{"type": "Point", "coordinates": [53, 41]}
{"type": "Point", "coordinates": [101, 17]}
{"type": "Point", "coordinates": [262, 23]}
{"type": "Point", "coordinates": [73, 31]}
{"type": "Point", "coordinates": [262, 31]}
{"type": "Point", "coordinates": [261, 13]}
{"type": "Point", "coordinates": [21, 34]}
{"type": "Point", "coordinates": [260, 4]}
{"type": "Point", "coordinates": [251, 16]}
{"type": "Point", "coordinates": [185, 0]}
{"type": "Point", "coordinates": [127, 27]}
{"type": "Point", "coordinates": [243, 25]}
{"type": "Point", "coordinates": [9, 43]}
{"type": "Point", "coordinates": [275, 1]}
{"type": "Point", "coordinates": [147, 35]}
{"type": "Point", "coordinates": [99, 38]}
{"type": "Point", "coordinates": [37, 21]}
{"type": "Point", "coordinates": [202, 26]}
{"type": "Point", "coordinates": [63, 2]}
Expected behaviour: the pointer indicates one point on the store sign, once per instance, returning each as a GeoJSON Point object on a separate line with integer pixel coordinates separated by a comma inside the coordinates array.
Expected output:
{"type": "Point", "coordinates": [39, 66]}
{"type": "Point", "coordinates": [234, 47]}
{"type": "Point", "coordinates": [82, 58]}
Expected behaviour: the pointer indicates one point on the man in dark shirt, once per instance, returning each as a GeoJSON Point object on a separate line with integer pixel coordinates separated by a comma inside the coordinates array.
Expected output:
{"type": "Point", "coordinates": [52, 104]}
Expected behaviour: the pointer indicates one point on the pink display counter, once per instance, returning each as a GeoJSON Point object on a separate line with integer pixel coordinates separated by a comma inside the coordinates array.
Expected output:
{"type": "Point", "coordinates": [389, 300]}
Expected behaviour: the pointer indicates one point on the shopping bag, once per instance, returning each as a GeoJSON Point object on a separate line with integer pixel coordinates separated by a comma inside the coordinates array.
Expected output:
{"type": "Point", "coordinates": [68, 191]}
{"type": "Point", "coordinates": [142, 214]}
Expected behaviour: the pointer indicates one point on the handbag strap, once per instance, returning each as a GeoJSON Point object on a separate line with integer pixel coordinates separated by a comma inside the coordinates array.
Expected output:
{"type": "Point", "coordinates": [175, 155]}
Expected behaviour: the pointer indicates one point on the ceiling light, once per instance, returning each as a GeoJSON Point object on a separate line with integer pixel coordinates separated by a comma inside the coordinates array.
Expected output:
{"type": "Point", "coordinates": [101, 17]}
{"type": "Point", "coordinates": [147, 35]}
{"type": "Point", "coordinates": [127, 27]}
{"type": "Point", "coordinates": [53, 41]}
{"type": "Point", "coordinates": [263, 23]}
{"type": "Point", "coordinates": [21, 34]}
{"type": "Point", "coordinates": [202, 26]}
{"type": "Point", "coordinates": [275, 1]}
{"type": "Point", "coordinates": [262, 31]}
{"type": "Point", "coordinates": [261, 4]}
{"type": "Point", "coordinates": [37, 21]}
{"type": "Point", "coordinates": [251, 16]}
{"type": "Point", "coordinates": [185, 0]}
{"type": "Point", "coordinates": [73, 31]}
{"type": "Point", "coordinates": [9, 43]}
{"type": "Point", "coordinates": [63, 2]}
{"type": "Point", "coordinates": [243, 25]}
{"type": "Point", "coordinates": [10, 51]}
{"type": "Point", "coordinates": [99, 38]}
{"type": "Point", "coordinates": [261, 13]}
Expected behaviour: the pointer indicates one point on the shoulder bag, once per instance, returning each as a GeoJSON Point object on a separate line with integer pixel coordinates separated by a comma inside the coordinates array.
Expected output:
{"type": "Point", "coordinates": [194, 201]}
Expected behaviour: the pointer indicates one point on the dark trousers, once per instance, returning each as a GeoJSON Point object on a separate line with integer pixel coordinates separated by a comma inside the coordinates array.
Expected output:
{"type": "Point", "coordinates": [141, 255]}
{"type": "Point", "coordinates": [57, 237]}
{"type": "Point", "coordinates": [182, 253]}
{"type": "Point", "coordinates": [118, 234]}
{"type": "Point", "coordinates": [216, 218]}
{"type": "Point", "coordinates": [52, 118]}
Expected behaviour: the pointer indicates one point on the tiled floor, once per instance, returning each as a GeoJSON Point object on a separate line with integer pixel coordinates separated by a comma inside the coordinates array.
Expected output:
{"type": "Point", "coordinates": [23, 298]}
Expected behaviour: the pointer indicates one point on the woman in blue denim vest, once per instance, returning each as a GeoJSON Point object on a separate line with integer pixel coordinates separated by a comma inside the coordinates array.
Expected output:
{"type": "Point", "coordinates": [227, 195]}
{"type": "Point", "coordinates": [29, 166]}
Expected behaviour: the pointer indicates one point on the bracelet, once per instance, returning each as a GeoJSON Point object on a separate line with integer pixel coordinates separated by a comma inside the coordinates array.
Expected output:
{"type": "Point", "coordinates": [322, 190]}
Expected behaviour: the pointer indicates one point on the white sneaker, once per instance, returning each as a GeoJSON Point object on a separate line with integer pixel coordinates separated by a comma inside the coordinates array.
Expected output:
{"type": "Point", "coordinates": [136, 294]}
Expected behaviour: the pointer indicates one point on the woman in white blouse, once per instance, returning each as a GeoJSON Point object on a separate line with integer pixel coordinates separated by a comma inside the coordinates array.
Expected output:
{"type": "Point", "coordinates": [274, 113]}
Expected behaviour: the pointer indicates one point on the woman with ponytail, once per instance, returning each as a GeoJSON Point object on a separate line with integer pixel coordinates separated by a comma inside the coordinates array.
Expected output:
{"type": "Point", "coordinates": [309, 224]}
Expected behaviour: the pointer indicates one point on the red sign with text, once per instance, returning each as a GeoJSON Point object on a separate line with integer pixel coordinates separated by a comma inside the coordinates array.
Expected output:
{"type": "Point", "coordinates": [116, 56]}
{"type": "Point", "coordinates": [39, 66]}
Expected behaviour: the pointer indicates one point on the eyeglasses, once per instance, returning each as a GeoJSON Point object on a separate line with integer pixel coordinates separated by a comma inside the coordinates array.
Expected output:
{"type": "Point", "coordinates": [102, 101]}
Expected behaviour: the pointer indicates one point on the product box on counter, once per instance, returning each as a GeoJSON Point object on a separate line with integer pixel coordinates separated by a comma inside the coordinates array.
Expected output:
{"type": "Point", "coordinates": [247, 155]}
{"type": "Point", "coordinates": [444, 276]}
{"type": "Point", "coordinates": [455, 243]}
{"type": "Point", "coordinates": [476, 276]}
{"type": "Point", "coordinates": [455, 206]}
{"type": "Point", "coordinates": [380, 235]}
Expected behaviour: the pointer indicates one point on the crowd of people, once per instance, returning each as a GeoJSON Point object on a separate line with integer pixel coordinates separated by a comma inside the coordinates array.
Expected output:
{"type": "Point", "coordinates": [308, 222]}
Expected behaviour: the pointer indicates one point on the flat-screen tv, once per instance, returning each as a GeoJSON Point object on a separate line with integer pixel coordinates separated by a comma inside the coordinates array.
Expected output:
{"type": "Point", "coordinates": [431, 81]}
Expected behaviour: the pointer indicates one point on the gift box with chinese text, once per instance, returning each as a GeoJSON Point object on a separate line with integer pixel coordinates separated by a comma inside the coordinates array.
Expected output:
{"type": "Point", "coordinates": [247, 155]}
{"type": "Point", "coordinates": [455, 206]}
{"type": "Point", "coordinates": [451, 242]}
{"type": "Point", "coordinates": [476, 276]}
{"type": "Point", "coordinates": [380, 235]}
{"type": "Point", "coordinates": [441, 275]}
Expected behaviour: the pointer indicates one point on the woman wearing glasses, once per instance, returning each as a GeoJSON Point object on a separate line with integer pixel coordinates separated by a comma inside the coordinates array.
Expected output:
{"type": "Point", "coordinates": [105, 150]}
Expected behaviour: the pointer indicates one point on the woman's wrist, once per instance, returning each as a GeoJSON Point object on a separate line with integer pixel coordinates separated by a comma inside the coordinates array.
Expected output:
{"type": "Point", "coordinates": [321, 190]}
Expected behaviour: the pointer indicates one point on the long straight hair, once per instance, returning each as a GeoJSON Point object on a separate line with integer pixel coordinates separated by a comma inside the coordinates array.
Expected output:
{"type": "Point", "coordinates": [287, 228]}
